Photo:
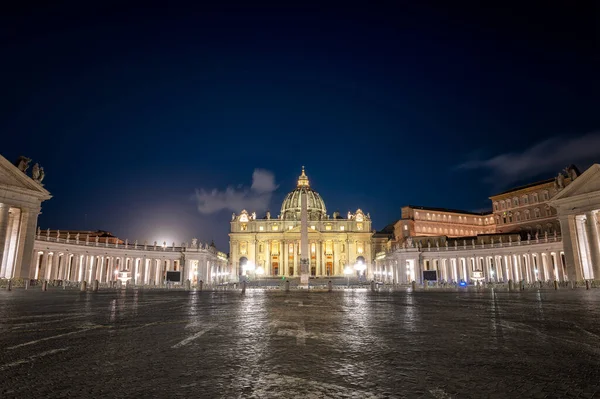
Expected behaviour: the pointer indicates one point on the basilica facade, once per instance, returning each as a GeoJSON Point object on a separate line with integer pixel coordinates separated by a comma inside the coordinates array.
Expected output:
{"type": "Point", "coordinates": [338, 244]}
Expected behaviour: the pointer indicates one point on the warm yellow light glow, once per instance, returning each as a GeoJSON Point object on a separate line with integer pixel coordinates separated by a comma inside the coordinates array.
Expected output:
{"type": "Point", "coordinates": [342, 228]}
{"type": "Point", "coordinates": [261, 228]}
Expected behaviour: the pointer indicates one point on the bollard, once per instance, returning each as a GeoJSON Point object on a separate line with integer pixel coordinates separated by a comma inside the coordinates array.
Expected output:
{"type": "Point", "coordinates": [95, 286]}
{"type": "Point", "coordinates": [572, 284]}
{"type": "Point", "coordinates": [414, 285]}
{"type": "Point", "coordinates": [201, 284]}
{"type": "Point", "coordinates": [372, 285]}
{"type": "Point", "coordinates": [587, 284]}
{"type": "Point", "coordinates": [9, 285]}
{"type": "Point", "coordinates": [329, 286]}
{"type": "Point", "coordinates": [244, 287]}
{"type": "Point", "coordinates": [83, 286]}
{"type": "Point", "coordinates": [27, 284]}
{"type": "Point", "coordinates": [44, 285]}
{"type": "Point", "coordinates": [522, 285]}
{"type": "Point", "coordinates": [187, 284]}
{"type": "Point", "coordinates": [287, 285]}
{"type": "Point", "coordinates": [555, 285]}
{"type": "Point", "coordinates": [511, 285]}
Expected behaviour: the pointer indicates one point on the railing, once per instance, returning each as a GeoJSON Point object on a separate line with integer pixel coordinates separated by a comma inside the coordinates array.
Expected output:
{"type": "Point", "coordinates": [135, 246]}
{"type": "Point", "coordinates": [473, 245]}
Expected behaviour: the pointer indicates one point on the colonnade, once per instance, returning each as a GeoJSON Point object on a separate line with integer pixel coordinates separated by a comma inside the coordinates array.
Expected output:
{"type": "Point", "coordinates": [56, 265]}
{"type": "Point", "coordinates": [531, 263]}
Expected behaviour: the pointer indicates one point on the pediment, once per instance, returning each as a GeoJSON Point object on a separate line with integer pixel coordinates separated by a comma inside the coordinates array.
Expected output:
{"type": "Point", "coordinates": [12, 179]}
{"type": "Point", "coordinates": [587, 183]}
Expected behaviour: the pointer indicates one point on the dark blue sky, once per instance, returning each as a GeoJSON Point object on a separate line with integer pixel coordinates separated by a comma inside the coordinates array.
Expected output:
{"type": "Point", "coordinates": [131, 110]}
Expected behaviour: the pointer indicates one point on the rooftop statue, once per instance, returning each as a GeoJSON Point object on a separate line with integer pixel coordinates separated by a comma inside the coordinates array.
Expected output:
{"type": "Point", "coordinates": [35, 172]}
{"type": "Point", "coordinates": [23, 163]}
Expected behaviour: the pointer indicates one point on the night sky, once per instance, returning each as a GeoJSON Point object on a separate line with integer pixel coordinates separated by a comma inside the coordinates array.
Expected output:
{"type": "Point", "coordinates": [155, 123]}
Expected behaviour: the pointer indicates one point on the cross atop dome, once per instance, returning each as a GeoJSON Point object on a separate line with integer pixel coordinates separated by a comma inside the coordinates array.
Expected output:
{"type": "Point", "coordinates": [303, 179]}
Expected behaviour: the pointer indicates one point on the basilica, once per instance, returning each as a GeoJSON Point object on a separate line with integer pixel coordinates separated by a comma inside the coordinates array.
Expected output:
{"type": "Point", "coordinates": [338, 244]}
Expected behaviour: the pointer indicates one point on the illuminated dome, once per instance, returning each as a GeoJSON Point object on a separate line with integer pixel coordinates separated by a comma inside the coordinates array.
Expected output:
{"type": "Point", "coordinates": [290, 209]}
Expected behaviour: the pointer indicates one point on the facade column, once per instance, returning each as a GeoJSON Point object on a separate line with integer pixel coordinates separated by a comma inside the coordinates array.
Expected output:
{"type": "Point", "coordinates": [296, 247]}
{"type": "Point", "coordinates": [593, 241]}
{"type": "Point", "coordinates": [55, 266]}
{"type": "Point", "coordinates": [568, 232]}
{"type": "Point", "coordinates": [26, 234]}
{"type": "Point", "coordinates": [75, 270]}
{"type": "Point", "coordinates": [94, 267]}
{"type": "Point", "coordinates": [285, 255]}
{"type": "Point", "coordinates": [4, 237]}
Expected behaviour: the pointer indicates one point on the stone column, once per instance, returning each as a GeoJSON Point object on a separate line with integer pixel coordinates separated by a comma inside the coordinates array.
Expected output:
{"type": "Point", "coordinates": [27, 232]}
{"type": "Point", "coordinates": [284, 255]}
{"type": "Point", "coordinates": [55, 266]}
{"type": "Point", "coordinates": [94, 267]}
{"type": "Point", "coordinates": [568, 231]}
{"type": "Point", "coordinates": [4, 217]}
{"type": "Point", "coordinates": [594, 244]}
{"type": "Point", "coordinates": [268, 267]}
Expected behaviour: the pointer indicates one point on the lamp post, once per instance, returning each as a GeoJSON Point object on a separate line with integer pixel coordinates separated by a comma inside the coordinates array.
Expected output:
{"type": "Point", "coordinates": [260, 271]}
{"type": "Point", "coordinates": [348, 272]}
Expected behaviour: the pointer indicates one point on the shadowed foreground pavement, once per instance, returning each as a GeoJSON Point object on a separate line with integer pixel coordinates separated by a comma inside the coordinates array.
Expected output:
{"type": "Point", "coordinates": [298, 344]}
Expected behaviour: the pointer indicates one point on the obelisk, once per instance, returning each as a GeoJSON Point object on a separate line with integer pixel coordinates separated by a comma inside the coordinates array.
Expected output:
{"type": "Point", "coordinates": [304, 261]}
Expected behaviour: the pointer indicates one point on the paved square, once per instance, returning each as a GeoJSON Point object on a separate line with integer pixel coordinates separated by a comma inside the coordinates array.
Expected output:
{"type": "Point", "coordinates": [299, 344]}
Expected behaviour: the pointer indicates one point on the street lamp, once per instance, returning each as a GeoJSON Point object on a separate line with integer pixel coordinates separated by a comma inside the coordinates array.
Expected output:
{"type": "Point", "coordinates": [260, 271]}
{"type": "Point", "coordinates": [348, 272]}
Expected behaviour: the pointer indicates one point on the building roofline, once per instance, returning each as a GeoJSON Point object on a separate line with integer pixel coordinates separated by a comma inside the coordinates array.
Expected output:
{"type": "Point", "coordinates": [537, 183]}
{"type": "Point", "coordinates": [426, 208]}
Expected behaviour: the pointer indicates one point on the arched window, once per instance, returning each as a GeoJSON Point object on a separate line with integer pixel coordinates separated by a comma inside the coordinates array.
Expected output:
{"type": "Point", "coordinates": [536, 212]}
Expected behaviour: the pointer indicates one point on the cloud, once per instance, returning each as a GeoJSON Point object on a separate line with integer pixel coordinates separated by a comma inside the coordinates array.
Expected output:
{"type": "Point", "coordinates": [550, 156]}
{"type": "Point", "coordinates": [257, 198]}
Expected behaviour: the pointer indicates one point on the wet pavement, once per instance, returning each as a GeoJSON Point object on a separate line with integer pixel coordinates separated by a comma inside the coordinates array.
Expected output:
{"type": "Point", "coordinates": [353, 344]}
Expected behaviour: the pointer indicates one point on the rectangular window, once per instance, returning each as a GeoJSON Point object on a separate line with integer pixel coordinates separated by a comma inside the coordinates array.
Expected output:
{"type": "Point", "coordinates": [312, 227]}
{"type": "Point", "coordinates": [244, 226]}
{"type": "Point", "coordinates": [328, 247]}
{"type": "Point", "coordinates": [341, 228]}
{"type": "Point", "coordinates": [275, 227]}
{"type": "Point", "coordinates": [261, 228]}
{"type": "Point", "coordinates": [328, 227]}
{"type": "Point", "coordinates": [359, 226]}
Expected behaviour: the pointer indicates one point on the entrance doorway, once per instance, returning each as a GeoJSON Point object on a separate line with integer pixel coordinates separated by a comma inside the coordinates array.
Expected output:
{"type": "Point", "coordinates": [329, 267]}
{"type": "Point", "coordinates": [275, 268]}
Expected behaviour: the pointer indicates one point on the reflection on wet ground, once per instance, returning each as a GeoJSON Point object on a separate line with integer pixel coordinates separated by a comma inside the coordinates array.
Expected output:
{"type": "Point", "coordinates": [275, 344]}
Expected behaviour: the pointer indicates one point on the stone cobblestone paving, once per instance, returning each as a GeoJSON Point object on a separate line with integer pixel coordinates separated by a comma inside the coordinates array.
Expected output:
{"type": "Point", "coordinates": [273, 344]}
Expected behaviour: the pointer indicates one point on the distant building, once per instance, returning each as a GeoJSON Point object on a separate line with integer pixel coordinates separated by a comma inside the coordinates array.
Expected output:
{"type": "Point", "coordinates": [272, 244]}
{"type": "Point", "coordinates": [527, 210]}
{"type": "Point", "coordinates": [421, 221]}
